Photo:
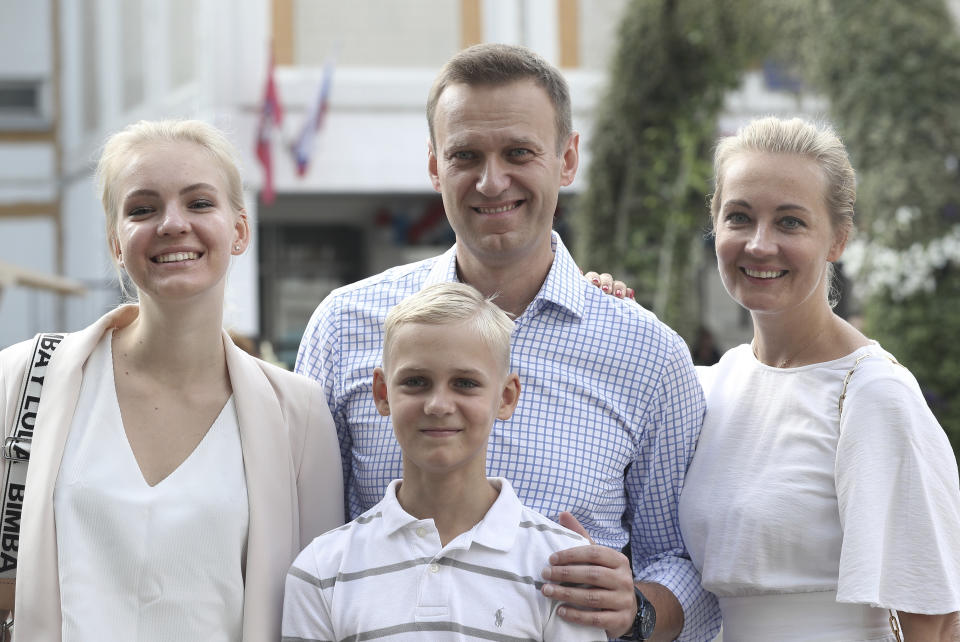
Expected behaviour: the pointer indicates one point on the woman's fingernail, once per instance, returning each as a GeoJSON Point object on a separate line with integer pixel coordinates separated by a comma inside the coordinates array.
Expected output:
{"type": "Point", "coordinates": [595, 281]}
{"type": "Point", "coordinates": [605, 288]}
{"type": "Point", "coordinates": [618, 293]}
{"type": "Point", "coordinates": [630, 292]}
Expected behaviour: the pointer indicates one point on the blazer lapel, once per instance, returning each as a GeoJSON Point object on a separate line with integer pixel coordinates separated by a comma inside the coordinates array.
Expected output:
{"type": "Point", "coordinates": [272, 536]}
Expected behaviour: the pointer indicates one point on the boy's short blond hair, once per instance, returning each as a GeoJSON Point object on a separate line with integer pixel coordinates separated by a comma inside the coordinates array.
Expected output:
{"type": "Point", "coordinates": [448, 303]}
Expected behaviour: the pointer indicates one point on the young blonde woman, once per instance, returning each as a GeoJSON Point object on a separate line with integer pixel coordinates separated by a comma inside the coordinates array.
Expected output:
{"type": "Point", "coordinates": [173, 477]}
{"type": "Point", "coordinates": [823, 492]}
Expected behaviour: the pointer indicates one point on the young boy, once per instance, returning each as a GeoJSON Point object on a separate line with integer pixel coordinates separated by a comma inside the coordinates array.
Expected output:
{"type": "Point", "coordinates": [448, 554]}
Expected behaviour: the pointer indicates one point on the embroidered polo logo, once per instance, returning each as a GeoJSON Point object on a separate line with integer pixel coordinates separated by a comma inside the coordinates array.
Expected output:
{"type": "Point", "coordinates": [499, 617]}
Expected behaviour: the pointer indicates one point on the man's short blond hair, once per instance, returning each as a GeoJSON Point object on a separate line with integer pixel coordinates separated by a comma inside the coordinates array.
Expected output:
{"type": "Point", "coordinates": [450, 303]}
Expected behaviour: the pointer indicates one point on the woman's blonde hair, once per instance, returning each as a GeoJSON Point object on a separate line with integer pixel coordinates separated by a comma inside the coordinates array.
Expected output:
{"type": "Point", "coordinates": [819, 143]}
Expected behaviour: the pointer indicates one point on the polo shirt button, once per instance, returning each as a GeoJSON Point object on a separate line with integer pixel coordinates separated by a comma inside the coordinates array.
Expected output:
{"type": "Point", "coordinates": [421, 531]}
{"type": "Point", "coordinates": [434, 568]}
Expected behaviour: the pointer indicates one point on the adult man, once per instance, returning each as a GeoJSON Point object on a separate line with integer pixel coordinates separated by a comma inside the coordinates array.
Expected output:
{"type": "Point", "coordinates": [611, 407]}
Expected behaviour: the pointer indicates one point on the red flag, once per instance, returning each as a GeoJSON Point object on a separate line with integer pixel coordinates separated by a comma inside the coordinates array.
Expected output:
{"type": "Point", "coordinates": [271, 115]}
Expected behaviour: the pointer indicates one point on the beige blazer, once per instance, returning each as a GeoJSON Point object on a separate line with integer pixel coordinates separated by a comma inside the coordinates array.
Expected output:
{"type": "Point", "coordinates": [290, 455]}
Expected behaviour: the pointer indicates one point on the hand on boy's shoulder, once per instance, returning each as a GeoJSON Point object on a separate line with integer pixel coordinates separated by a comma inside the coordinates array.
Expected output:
{"type": "Point", "coordinates": [595, 583]}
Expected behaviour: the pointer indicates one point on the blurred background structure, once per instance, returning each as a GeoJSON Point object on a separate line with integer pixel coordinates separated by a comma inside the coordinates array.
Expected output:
{"type": "Point", "coordinates": [653, 83]}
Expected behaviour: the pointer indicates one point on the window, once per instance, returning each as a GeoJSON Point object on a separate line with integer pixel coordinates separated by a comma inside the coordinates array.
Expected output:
{"type": "Point", "coordinates": [24, 104]}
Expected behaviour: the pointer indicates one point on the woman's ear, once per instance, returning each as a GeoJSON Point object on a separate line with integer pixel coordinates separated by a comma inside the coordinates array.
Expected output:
{"type": "Point", "coordinates": [840, 239]}
{"type": "Point", "coordinates": [117, 254]}
{"type": "Point", "coordinates": [242, 238]}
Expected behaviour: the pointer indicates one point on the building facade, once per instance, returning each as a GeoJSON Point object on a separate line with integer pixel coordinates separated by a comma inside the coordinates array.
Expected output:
{"type": "Point", "coordinates": [74, 71]}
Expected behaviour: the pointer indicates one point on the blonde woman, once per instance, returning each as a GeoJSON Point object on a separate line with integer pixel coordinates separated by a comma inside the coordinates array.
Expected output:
{"type": "Point", "coordinates": [823, 493]}
{"type": "Point", "coordinates": [173, 477]}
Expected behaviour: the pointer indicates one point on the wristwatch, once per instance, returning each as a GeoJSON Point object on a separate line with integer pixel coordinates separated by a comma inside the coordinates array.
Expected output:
{"type": "Point", "coordinates": [645, 620]}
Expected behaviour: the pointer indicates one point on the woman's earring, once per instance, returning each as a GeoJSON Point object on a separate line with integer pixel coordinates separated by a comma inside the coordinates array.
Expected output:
{"type": "Point", "coordinates": [236, 248]}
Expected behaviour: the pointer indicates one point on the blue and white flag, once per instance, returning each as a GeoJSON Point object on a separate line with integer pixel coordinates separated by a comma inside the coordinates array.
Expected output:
{"type": "Point", "coordinates": [303, 147]}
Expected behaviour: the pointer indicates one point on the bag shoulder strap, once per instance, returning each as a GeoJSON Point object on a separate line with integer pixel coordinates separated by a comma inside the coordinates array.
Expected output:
{"type": "Point", "coordinates": [16, 453]}
{"type": "Point", "coordinates": [846, 380]}
{"type": "Point", "coordinates": [16, 447]}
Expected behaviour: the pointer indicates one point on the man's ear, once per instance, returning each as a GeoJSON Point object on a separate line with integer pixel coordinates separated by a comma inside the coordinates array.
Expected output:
{"type": "Point", "coordinates": [509, 397]}
{"type": "Point", "coordinates": [380, 392]}
{"type": "Point", "coordinates": [432, 166]}
{"type": "Point", "coordinates": [571, 159]}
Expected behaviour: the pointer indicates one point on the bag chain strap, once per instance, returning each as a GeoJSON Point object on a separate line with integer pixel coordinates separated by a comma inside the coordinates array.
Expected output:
{"type": "Point", "coordinates": [894, 623]}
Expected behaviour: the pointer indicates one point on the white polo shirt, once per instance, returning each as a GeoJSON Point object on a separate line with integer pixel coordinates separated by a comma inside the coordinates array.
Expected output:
{"type": "Point", "coordinates": [385, 575]}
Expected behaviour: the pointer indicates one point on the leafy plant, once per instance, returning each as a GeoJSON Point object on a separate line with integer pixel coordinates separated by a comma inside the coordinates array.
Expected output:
{"type": "Point", "coordinates": [643, 214]}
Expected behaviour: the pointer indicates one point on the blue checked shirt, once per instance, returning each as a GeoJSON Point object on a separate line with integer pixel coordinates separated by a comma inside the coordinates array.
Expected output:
{"type": "Point", "coordinates": [609, 413]}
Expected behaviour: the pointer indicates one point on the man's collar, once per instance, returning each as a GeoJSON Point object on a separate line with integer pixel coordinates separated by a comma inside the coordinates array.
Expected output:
{"type": "Point", "coordinates": [563, 286]}
{"type": "Point", "coordinates": [444, 269]}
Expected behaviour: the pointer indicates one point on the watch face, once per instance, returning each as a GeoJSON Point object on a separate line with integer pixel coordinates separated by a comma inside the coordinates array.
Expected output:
{"type": "Point", "coordinates": [646, 619]}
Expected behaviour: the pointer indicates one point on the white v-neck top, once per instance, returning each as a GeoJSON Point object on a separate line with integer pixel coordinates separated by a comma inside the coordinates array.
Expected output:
{"type": "Point", "coordinates": [148, 563]}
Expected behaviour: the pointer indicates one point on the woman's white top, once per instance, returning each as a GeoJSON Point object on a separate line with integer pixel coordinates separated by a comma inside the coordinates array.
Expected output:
{"type": "Point", "coordinates": [806, 525]}
{"type": "Point", "coordinates": [148, 563]}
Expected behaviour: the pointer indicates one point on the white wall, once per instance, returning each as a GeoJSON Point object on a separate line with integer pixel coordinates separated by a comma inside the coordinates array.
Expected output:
{"type": "Point", "coordinates": [25, 39]}
{"type": "Point", "coordinates": [27, 243]}
{"type": "Point", "coordinates": [374, 33]}
{"type": "Point", "coordinates": [27, 172]}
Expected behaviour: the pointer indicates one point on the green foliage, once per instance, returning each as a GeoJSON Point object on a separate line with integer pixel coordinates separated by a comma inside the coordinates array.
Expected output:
{"type": "Point", "coordinates": [892, 75]}
{"type": "Point", "coordinates": [643, 212]}
{"type": "Point", "coordinates": [923, 333]}
{"type": "Point", "coordinates": [891, 71]}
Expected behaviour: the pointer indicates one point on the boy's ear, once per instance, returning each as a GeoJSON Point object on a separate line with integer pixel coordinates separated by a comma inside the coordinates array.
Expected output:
{"type": "Point", "coordinates": [509, 397]}
{"type": "Point", "coordinates": [380, 392]}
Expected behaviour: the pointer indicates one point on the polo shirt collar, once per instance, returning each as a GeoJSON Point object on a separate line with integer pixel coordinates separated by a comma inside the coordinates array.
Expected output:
{"type": "Point", "coordinates": [497, 530]}
{"type": "Point", "coordinates": [393, 515]}
{"type": "Point", "coordinates": [563, 286]}
{"type": "Point", "coordinates": [499, 527]}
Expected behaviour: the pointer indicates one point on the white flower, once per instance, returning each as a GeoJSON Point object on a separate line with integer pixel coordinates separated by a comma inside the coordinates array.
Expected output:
{"type": "Point", "coordinates": [874, 267]}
